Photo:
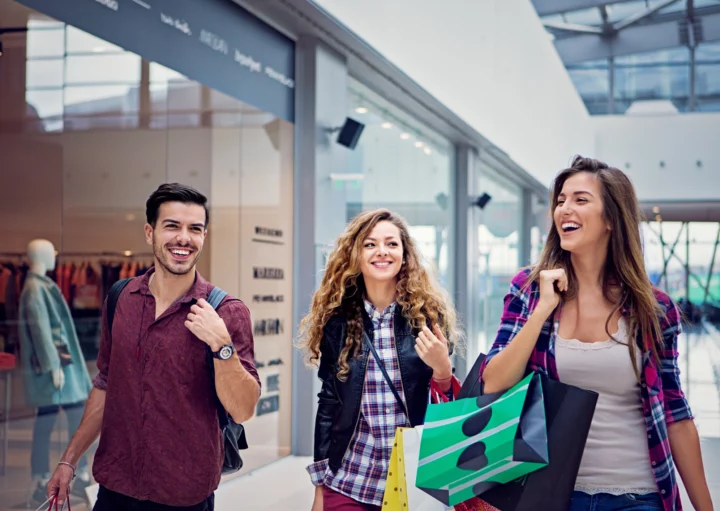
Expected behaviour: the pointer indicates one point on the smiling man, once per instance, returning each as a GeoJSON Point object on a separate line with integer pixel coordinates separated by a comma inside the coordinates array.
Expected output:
{"type": "Point", "coordinates": [154, 399]}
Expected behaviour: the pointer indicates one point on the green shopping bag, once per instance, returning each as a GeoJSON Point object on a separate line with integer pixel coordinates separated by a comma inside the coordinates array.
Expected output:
{"type": "Point", "coordinates": [471, 445]}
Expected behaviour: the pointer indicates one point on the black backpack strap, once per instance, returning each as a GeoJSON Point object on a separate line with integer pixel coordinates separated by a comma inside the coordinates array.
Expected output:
{"type": "Point", "coordinates": [112, 301]}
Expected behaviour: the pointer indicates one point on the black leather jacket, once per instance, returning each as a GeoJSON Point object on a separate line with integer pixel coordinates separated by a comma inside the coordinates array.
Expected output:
{"type": "Point", "coordinates": [339, 402]}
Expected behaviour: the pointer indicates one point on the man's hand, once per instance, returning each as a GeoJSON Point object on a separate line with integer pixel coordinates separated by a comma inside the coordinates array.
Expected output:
{"type": "Point", "coordinates": [59, 484]}
{"type": "Point", "coordinates": [207, 325]}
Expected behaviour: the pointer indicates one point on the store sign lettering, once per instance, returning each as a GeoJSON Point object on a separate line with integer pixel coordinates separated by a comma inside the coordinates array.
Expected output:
{"type": "Point", "coordinates": [214, 42]}
{"type": "Point", "coordinates": [267, 231]}
{"type": "Point", "coordinates": [181, 25]}
{"type": "Point", "coordinates": [247, 61]}
{"type": "Point", "coordinates": [110, 4]}
{"type": "Point", "coordinates": [268, 404]}
{"type": "Point", "coordinates": [272, 326]}
{"type": "Point", "coordinates": [268, 273]}
{"type": "Point", "coordinates": [268, 298]}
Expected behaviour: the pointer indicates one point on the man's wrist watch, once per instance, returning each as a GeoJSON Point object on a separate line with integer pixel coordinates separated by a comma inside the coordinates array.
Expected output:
{"type": "Point", "coordinates": [225, 352]}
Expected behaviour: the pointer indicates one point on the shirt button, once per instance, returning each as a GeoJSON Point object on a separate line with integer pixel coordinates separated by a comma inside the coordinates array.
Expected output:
{"type": "Point", "coordinates": [387, 410]}
{"type": "Point", "coordinates": [649, 436]}
{"type": "Point", "coordinates": [654, 463]}
{"type": "Point", "coordinates": [662, 491]}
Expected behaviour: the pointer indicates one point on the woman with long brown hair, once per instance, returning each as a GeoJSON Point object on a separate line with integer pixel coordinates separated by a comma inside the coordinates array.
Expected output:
{"type": "Point", "coordinates": [381, 329]}
{"type": "Point", "coordinates": [587, 315]}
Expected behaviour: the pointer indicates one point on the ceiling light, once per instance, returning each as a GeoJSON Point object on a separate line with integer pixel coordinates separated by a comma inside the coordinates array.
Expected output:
{"type": "Point", "coordinates": [404, 136]}
{"type": "Point", "coordinates": [361, 110]}
{"type": "Point", "coordinates": [98, 49]}
{"type": "Point", "coordinates": [386, 125]}
{"type": "Point", "coordinates": [427, 150]}
{"type": "Point", "coordinates": [418, 144]}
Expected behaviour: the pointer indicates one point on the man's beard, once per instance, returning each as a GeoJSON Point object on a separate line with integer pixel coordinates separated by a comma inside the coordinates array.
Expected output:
{"type": "Point", "coordinates": [161, 257]}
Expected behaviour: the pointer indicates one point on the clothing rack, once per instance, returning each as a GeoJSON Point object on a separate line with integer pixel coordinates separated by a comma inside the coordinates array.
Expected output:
{"type": "Point", "coordinates": [127, 254]}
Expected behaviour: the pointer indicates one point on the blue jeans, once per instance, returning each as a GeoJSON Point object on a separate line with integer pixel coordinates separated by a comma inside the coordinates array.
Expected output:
{"type": "Point", "coordinates": [606, 502]}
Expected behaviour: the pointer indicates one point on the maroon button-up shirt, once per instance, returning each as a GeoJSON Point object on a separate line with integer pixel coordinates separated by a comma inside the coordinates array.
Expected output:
{"type": "Point", "coordinates": [160, 437]}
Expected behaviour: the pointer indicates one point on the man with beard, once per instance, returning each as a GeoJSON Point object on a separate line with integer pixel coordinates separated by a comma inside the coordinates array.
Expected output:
{"type": "Point", "coordinates": [154, 400]}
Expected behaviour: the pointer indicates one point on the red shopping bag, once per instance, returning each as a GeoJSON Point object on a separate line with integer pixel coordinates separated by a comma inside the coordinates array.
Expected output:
{"type": "Point", "coordinates": [438, 396]}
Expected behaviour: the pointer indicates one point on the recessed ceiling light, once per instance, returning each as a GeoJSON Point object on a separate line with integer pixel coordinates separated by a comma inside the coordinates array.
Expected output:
{"type": "Point", "coordinates": [386, 125]}
{"type": "Point", "coordinates": [361, 110]}
{"type": "Point", "coordinates": [427, 150]}
{"type": "Point", "coordinates": [404, 136]}
{"type": "Point", "coordinates": [419, 144]}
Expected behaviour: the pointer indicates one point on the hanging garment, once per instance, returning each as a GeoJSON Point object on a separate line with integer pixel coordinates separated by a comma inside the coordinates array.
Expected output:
{"type": "Point", "coordinates": [45, 325]}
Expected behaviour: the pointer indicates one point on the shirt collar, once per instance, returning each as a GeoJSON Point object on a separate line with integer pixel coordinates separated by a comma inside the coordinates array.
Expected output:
{"type": "Point", "coordinates": [43, 278]}
{"type": "Point", "coordinates": [374, 313]}
{"type": "Point", "coordinates": [199, 289]}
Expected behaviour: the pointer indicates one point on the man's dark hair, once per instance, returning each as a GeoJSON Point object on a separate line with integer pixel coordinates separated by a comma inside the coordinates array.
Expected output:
{"type": "Point", "coordinates": [173, 192]}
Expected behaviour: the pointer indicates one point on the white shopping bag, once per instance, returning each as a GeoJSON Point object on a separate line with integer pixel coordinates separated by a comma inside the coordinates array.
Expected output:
{"type": "Point", "coordinates": [418, 500]}
{"type": "Point", "coordinates": [92, 494]}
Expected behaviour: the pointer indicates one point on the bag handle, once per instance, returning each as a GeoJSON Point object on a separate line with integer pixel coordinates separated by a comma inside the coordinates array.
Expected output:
{"type": "Point", "coordinates": [53, 500]}
{"type": "Point", "coordinates": [387, 376]}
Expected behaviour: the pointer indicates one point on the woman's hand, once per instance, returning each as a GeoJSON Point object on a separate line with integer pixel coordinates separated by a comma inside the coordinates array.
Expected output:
{"type": "Point", "coordinates": [318, 502]}
{"type": "Point", "coordinates": [432, 348]}
{"type": "Point", "coordinates": [549, 296]}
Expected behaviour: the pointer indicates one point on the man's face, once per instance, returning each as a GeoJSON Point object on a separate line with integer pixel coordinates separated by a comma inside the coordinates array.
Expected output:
{"type": "Point", "coordinates": [178, 236]}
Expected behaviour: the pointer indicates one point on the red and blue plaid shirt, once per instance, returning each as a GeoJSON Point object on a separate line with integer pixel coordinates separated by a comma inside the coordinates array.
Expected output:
{"type": "Point", "coordinates": [364, 467]}
{"type": "Point", "coordinates": [663, 400]}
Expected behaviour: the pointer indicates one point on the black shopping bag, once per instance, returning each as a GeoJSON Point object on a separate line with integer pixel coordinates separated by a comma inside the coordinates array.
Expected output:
{"type": "Point", "coordinates": [569, 411]}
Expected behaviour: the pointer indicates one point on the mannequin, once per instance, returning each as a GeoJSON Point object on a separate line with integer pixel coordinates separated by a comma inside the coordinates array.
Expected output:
{"type": "Point", "coordinates": [54, 371]}
{"type": "Point", "coordinates": [41, 254]}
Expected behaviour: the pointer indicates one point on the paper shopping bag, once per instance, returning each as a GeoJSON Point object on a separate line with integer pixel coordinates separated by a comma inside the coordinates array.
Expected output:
{"type": "Point", "coordinates": [395, 497]}
{"type": "Point", "coordinates": [569, 411]}
{"type": "Point", "coordinates": [417, 499]}
{"type": "Point", "coordinates": [400, 491]}
{"type": "Point", "coordinates": [471, 445]}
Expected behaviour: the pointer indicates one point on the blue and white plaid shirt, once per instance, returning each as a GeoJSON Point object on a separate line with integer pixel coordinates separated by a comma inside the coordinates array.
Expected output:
{"type": "Point", "coordinates": [364, 467]}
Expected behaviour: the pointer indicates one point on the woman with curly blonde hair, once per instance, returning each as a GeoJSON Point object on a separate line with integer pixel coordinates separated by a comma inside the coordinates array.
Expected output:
{"type": "Point", "coordinates": [381, 329]}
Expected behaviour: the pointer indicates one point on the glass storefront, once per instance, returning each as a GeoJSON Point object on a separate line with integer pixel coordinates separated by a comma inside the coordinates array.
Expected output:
{"type": "Point", "coordinates": [401, 165]}
{"type": "Point", "coordinates": [496, 254]}
{"type": "Point", "coordinates": [88, 129]}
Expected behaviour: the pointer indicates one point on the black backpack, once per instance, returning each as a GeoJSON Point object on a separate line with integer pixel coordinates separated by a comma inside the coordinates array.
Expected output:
{"type": "Point", "coordinates": [233, 433]}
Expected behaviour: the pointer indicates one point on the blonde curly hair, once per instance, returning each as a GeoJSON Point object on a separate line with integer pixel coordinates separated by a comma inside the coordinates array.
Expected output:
{"type": "Point", "coordinates": [419, 295]}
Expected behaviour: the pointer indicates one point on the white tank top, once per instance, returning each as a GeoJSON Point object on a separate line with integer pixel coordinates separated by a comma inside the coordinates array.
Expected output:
{"type": "Point", "coordinates": [616, 459]}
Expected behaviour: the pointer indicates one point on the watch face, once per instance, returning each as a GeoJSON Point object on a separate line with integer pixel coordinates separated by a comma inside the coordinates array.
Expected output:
{"type": "Point", "coordinates": [225, 352]}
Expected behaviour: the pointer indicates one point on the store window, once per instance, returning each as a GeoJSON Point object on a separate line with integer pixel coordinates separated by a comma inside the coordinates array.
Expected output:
{"type": "Point", "coordinates": [87, 131]}
{"type": "Point", "coordinates": [401, 165]}
{"type": "Point", "coordinates": [496, 257]}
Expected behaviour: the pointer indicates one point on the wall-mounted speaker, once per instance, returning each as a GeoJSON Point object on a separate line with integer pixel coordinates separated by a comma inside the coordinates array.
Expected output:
{"type": "Point", "coordinates": [350, 132]}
